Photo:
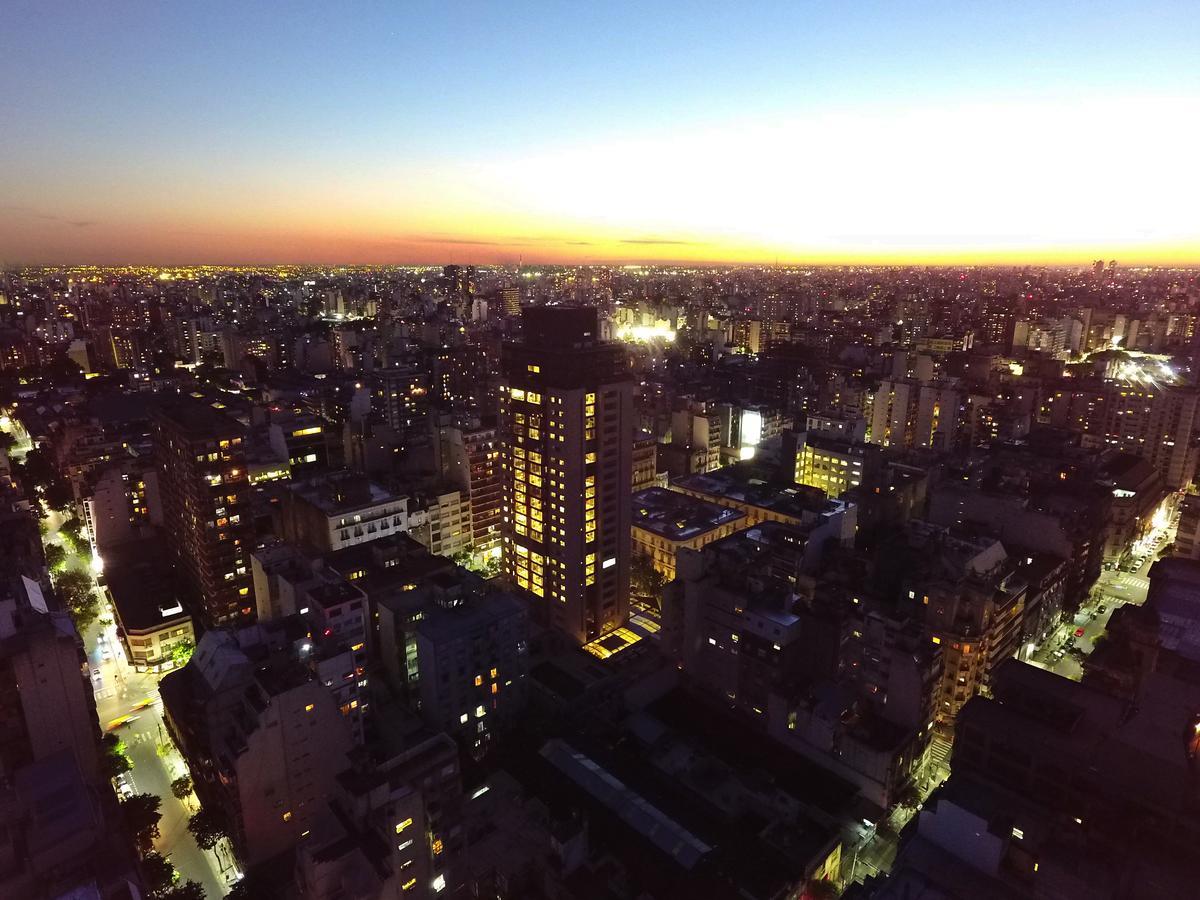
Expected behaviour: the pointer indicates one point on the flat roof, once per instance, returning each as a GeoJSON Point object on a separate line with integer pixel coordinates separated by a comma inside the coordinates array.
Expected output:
{"type": "Point", "coordinates": [677, 516]}
{"type": "Point", "coordinates": [741, 486]}
{"type": "Point", "coordinates": [199, 420]}
{"type": "Point", "coordinates": [143, 591]}
{"type": "Point", "coordinates": [359, 492]}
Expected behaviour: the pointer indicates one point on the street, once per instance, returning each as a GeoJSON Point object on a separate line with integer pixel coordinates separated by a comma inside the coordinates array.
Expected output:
{"type": "Point", "coordinates": [119, 690]}
{"type": "Point", "coordinates": [1112, 589]}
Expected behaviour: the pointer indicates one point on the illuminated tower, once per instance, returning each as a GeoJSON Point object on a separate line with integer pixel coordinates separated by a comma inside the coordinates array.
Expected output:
{"type": "Point", "coordinates": [201, 459]}
{"type": "Point", "coordinates": [566, 422]}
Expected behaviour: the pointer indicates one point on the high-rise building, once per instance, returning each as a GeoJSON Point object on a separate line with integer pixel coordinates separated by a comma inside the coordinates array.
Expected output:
{"type": "Point", "coordinates": [471, 460]}
{"type": "Point", "coordinates": [1149, 420]}
{"type": "Point", "coordinates": [47, 706]}
{"type": "Point", "coordinates": [201, 460]}
{"type": "Point", "coordinates": [510, 301]}
{"type": "Point", "coordinates": [566, 419]}
{"type": "Point", "coordinates": [907, 413]}
{"type": "Point", "coordinates": [402, 398]}
{"type": "Point", "coordinates": [260, 706]}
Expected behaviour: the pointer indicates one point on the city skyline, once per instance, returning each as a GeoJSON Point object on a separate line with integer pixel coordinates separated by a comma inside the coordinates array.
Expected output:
{"type": "Point", "coordinates": [796, 135]}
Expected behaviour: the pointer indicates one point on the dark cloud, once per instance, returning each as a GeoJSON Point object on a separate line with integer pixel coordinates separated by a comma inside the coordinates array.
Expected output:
{"type": "Point", "coordinates": [438, 239]}
{"type": "Point", "coordinates": [49, 217]}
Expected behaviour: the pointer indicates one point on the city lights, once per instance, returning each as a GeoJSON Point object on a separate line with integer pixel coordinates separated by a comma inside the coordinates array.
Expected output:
{"type": "Point", "coordinates": [666, 449]}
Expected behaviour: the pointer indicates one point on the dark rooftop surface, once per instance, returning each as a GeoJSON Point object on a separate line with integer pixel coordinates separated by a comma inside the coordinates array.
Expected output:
{"type": "Point", "coordinates": [678, 516]}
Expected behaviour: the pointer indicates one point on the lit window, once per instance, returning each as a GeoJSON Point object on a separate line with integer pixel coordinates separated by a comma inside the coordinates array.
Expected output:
{"type": "Point", "coordinates": [287, 816]}
{"type": "Point", "coordinates": [308, 708]}
{"type": "Point", "coordinates": [400, 826]}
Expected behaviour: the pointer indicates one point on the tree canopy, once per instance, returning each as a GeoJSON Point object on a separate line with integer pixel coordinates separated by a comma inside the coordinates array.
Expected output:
{"type": "Point", "coordinates": [75, 590]}
{"type": "Point", "coordinates": [207, 827]}
{"type": "Point", "coordinates": [141, 812]}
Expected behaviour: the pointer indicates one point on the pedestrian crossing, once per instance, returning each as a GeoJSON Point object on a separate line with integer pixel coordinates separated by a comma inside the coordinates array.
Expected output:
{"type": "Point", "coordinates": [1133, 581]}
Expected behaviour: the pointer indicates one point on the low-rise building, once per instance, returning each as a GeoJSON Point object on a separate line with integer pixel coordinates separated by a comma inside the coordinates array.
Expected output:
{"type": "Point", "coordinates": [645, 461]}
{"type": "Point", "coordinates": [337, 511]}
{"type": "Point", "coordinates": [152, 624]}
{"type": "Point", "coordinates": [750, 491]}
{"type": "Point", "coordinates": [665, 522]}
{"type": "Point", "coordinates": [447, 526]}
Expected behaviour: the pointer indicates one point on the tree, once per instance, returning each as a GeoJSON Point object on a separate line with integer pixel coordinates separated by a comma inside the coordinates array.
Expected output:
{"type": "Point", "coordinates": [188, 890]}
{"type": "Point", "coordinates": [141, 813]}
{"type": "Point", "coordinates": [71, 531]}
{"type": "Point", "coordinates": [158, 873]}
{"type": "Point", "coordinates": [39, 471]}
{"type": "Point", "coordinates": [207, 827]}
{"type": "Point", "coordinates": [645, 579]}
{"type": "Point", "coordinates": [181, 787]}
{"type": "Point", "coordinates": [116, 757]}
{"type": "Point", "coordinates": [56, 556]}
{"type": "Point", "coordinates": [74, 589]}
{"type": "Point", "coordinates": [182, 652]}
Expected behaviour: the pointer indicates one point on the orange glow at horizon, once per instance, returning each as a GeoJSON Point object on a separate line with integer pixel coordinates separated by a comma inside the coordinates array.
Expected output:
{"type": "Point", "coordinates": [925, 186]}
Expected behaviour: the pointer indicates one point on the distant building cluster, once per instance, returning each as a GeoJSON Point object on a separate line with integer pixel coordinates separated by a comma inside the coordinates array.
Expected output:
{"type": "Point", "coordinates": [590, 583]}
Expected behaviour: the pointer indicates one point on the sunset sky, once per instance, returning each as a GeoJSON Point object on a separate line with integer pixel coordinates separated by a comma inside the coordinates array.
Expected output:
{"type": "Point", "coordinates": [394, 132]}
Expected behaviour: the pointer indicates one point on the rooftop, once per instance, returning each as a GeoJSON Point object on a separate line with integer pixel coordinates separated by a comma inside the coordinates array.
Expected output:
{"type": "Point", "coordinates": [200, 421]}
{"type": "Point", "coordinates": [677, 516]}
{"type": "Point", "coordinates": [141, 588]}
{"type": "Point", "coordinates": [341, 492]}
{"type": "Point", "coordinates": [740, 484]}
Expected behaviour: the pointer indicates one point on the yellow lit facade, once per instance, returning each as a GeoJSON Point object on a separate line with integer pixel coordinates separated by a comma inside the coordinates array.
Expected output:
{"type": "Point", "coordinates": [566, 454]}
{"type": "Point", "coordinates": [833, 471]}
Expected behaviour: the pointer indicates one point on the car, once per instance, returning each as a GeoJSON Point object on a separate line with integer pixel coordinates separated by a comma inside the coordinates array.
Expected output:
{"type": "Point", "coordinates": [1102, 608]}
{"type": "Point", "coordinates": [142, 704]}
{"type": "Point", "coordinates": [125, 786]}
{"type": "Point", "coordinates": [1078, 632]}
{"type": "Point", "coordinates": [121, 722]}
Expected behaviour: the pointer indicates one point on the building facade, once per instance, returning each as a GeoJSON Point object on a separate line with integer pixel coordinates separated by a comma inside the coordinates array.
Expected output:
{"type": "Point", "coordinates": [566, 416]}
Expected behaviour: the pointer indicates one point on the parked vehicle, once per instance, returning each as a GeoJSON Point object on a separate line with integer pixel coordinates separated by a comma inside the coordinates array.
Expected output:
{"type": "Point", "coordinates": [125, 786]}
